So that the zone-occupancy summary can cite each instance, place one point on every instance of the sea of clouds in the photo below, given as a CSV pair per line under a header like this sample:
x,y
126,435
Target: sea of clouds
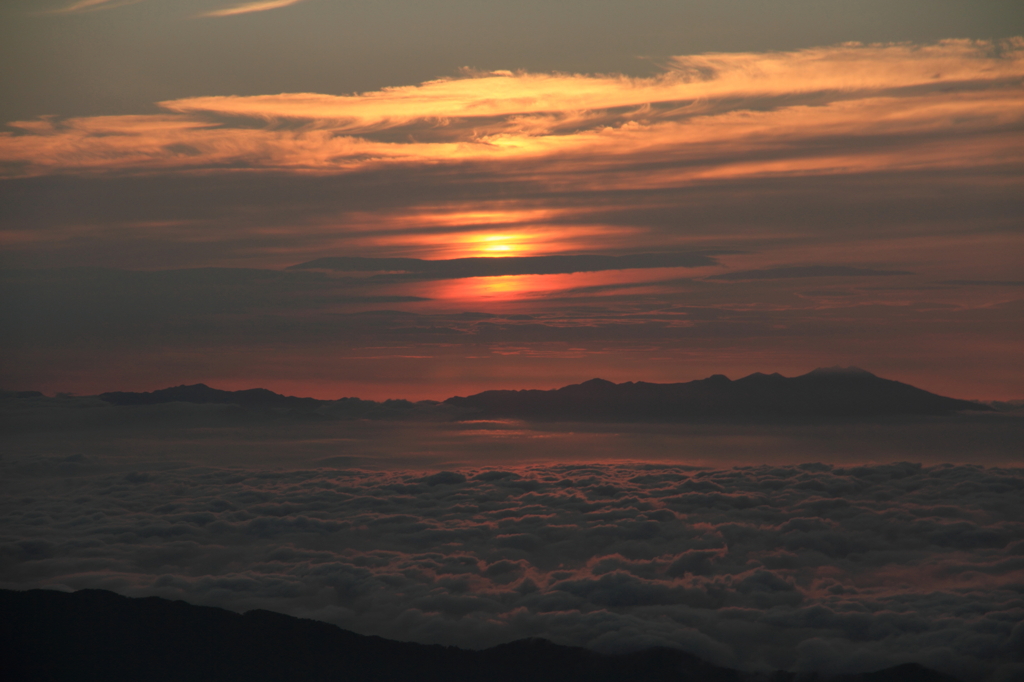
x,y
833,568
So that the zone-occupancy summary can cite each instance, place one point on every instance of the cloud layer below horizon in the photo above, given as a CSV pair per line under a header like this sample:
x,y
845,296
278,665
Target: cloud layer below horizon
x,y
814,567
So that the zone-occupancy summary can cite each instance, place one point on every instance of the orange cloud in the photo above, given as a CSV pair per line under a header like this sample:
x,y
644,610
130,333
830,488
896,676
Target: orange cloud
x,y
571,99
92,5
436,232
248,7
534,288
844,109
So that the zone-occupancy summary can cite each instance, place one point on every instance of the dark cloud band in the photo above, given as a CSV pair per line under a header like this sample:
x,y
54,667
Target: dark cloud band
x,y
496,267
798,271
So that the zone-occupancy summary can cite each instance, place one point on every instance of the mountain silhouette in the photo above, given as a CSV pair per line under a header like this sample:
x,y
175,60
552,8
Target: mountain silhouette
x,y
201,393
99,635
833,392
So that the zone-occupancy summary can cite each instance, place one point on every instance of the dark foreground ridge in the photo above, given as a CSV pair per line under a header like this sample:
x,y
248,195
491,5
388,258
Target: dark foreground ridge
x,y
824,393
99,635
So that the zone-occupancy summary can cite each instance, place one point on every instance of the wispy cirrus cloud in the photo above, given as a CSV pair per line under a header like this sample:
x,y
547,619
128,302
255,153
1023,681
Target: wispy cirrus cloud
x,y
244,8
249,7
92,5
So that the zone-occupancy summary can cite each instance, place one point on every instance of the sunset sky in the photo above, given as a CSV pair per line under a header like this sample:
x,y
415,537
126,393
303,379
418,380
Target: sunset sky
x,y
738,185
423,199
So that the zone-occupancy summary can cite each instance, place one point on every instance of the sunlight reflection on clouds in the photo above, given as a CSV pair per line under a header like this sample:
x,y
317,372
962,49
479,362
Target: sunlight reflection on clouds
x,y
589,129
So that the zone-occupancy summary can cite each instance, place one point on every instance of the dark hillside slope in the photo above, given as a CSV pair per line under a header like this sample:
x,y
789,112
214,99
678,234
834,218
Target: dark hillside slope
x,y
98,635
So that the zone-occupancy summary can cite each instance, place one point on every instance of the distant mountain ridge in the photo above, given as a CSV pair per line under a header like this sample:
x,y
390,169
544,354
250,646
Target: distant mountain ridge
x,y
265,403
203,394
823,393
99,635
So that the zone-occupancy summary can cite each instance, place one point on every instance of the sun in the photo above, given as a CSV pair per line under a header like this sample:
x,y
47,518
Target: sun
x,y
498,244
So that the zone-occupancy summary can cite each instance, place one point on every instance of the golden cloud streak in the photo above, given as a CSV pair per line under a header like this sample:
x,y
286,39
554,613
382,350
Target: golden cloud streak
x,y
249,7
846,68
956,104
92,6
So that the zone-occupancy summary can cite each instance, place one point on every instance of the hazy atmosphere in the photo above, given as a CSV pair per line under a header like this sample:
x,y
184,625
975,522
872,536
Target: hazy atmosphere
x,y
406,202
841,183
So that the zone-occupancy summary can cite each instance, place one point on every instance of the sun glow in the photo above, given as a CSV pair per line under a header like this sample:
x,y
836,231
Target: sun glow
x,y
466,234
499,244
507,243
510,288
